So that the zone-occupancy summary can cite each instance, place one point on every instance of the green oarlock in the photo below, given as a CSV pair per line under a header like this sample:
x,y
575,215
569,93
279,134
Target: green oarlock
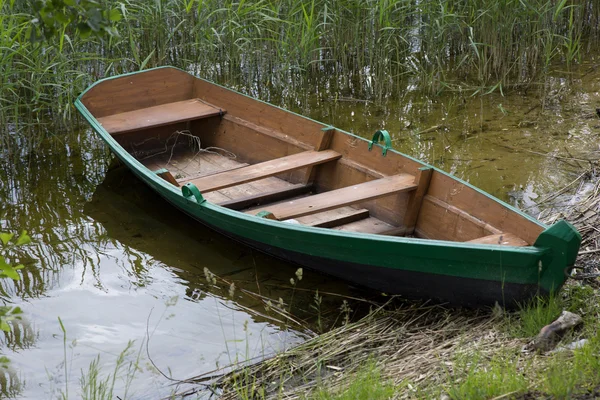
x,y
266,214
381,134
190,190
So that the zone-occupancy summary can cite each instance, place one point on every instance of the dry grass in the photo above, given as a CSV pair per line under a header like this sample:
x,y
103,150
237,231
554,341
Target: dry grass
x,y
413,346
584,214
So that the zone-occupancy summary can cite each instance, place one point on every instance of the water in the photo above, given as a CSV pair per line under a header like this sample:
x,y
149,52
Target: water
x,y
117,264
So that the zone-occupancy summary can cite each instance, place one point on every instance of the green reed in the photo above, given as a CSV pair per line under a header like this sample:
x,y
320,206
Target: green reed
x,y
370,49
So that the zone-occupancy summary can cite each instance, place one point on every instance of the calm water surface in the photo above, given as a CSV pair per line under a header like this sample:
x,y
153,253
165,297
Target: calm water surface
x,y
117,264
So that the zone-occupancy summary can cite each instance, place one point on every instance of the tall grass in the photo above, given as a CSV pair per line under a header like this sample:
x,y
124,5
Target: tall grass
x,y
534,315
367,384
497,378
361,48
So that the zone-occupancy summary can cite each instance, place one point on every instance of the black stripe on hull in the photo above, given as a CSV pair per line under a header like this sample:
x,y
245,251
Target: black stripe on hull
x,y
414,285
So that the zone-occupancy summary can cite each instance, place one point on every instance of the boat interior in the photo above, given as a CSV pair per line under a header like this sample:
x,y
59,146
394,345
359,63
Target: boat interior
x,y
254,158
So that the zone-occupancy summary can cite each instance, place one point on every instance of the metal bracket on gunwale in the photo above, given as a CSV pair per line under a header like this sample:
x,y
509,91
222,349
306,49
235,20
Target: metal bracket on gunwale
x,y
265,214
189,189
381,134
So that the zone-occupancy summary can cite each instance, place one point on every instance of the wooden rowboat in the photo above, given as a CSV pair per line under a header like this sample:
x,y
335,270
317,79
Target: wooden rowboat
x,y
323,198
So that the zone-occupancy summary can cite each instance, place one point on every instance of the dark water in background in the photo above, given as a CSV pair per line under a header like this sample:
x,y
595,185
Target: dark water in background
x,y
118,264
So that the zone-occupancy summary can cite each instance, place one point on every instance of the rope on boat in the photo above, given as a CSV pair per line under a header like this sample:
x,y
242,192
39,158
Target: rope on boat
x,y
194,142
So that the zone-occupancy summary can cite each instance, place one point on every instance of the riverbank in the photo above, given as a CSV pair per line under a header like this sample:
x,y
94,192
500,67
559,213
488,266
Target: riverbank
x,y
418,351
425,352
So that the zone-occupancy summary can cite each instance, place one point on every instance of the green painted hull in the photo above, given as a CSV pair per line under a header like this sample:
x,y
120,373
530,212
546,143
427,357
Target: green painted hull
x,y
464,273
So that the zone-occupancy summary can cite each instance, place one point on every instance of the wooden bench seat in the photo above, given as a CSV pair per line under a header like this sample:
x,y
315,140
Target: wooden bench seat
x,y
503,239
264,170
164,114
374,226
342,197
333,218
266,197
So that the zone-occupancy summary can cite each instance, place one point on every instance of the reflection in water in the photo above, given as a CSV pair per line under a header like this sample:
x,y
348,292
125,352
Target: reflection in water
x,y
22,335
141,220
114,261
10,384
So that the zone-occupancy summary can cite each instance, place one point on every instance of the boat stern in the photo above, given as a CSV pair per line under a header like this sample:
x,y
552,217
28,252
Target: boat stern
x,y
563,241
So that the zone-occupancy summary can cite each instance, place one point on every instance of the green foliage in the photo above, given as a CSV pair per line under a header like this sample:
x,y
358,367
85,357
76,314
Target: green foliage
x,y
486,380
8,314
367,385
534,315
7,270
582,299
369,48
8,242
570,373
94,386
53,17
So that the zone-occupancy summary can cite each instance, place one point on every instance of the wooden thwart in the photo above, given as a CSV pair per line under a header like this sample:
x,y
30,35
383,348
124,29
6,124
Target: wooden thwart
x,y
161,115
264,170
504,239
268,197
211,173
343,197
374,226
335,217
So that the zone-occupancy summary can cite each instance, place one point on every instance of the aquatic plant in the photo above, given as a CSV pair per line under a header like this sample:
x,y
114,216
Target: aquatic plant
x,y
367,49
9,270
52,18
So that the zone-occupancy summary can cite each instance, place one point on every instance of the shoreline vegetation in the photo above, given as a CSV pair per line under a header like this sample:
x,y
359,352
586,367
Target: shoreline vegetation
x,y
361,49
424,352
407,350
